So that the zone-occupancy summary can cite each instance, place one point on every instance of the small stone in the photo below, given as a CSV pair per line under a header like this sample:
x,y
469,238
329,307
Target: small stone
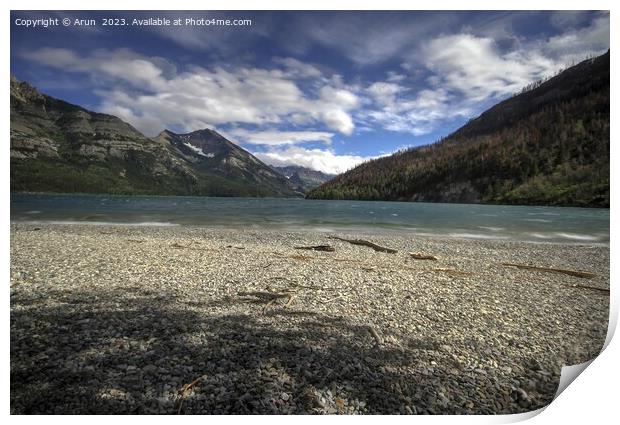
x,y
519,394
321,402
534,365
285,396
150,369
115,393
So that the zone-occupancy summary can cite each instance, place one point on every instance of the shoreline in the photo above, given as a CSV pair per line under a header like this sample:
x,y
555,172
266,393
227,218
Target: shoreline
x,y
596,207
377,230
117,319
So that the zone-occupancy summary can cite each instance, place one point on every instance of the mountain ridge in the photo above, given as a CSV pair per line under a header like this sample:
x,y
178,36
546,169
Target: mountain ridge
x,y
60,147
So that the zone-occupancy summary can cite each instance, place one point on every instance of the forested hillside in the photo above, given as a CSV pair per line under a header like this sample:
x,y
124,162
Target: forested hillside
x,y
546,146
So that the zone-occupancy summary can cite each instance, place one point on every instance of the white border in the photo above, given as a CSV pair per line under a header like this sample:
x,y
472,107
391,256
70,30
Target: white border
x,y
591,398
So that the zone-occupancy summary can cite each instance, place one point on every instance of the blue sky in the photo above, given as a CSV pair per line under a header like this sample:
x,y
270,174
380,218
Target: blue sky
x,y
326,90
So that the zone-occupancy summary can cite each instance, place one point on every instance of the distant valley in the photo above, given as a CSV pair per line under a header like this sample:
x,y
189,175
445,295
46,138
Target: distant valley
x,y
303,179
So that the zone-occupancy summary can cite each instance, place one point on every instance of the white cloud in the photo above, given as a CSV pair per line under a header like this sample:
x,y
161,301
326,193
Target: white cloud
x,y
395,77
475,67
279,138
298,68
468,70
462,71
573,45
385,93
118,64
396,109
316,159
150,91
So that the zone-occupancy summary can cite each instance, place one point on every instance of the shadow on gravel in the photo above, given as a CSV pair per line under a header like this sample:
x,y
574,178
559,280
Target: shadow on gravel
x,y
132,351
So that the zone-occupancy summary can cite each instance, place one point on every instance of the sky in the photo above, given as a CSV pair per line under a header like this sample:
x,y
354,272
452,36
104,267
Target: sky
x,y
325,90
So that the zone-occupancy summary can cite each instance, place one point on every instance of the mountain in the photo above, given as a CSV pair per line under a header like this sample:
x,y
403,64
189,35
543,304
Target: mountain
x,y
60,147
212,154
303,179
548,145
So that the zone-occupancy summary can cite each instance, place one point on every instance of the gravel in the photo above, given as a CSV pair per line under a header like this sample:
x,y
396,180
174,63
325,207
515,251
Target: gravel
x,y
163,320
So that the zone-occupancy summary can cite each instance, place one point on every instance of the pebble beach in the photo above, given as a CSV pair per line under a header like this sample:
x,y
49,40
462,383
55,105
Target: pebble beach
x,y
195,320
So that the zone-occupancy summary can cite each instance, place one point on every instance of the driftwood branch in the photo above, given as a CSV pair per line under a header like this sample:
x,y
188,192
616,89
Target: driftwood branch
x,y
594,288
375,334
419,256
576,273
363,242
326,248
185,391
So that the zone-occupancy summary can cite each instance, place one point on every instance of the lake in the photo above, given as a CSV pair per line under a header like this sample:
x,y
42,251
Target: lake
x,y
523,223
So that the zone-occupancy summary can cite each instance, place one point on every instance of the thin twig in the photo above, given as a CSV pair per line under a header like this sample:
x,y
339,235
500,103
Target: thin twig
x,y
595,288
269,304
290,301
301,257
576,273
333,299
453,272
261,294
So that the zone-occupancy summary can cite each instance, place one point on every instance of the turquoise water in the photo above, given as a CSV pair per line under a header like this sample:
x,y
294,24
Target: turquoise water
x,y
542,224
